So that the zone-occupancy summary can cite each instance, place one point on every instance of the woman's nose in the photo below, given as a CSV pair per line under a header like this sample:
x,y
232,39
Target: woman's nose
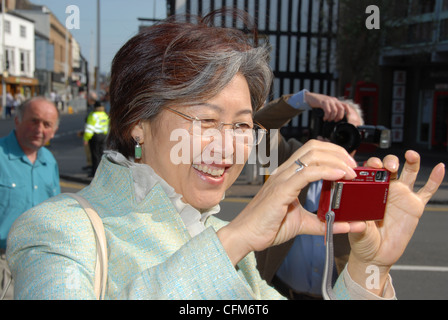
x,y
221,148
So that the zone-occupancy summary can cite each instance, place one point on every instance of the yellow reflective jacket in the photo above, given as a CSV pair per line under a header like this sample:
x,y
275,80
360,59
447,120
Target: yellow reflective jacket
x,y
97,123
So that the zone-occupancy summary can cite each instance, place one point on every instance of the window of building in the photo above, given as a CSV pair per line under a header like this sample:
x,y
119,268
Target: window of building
x,y
24,61
10,60
23,31
7,26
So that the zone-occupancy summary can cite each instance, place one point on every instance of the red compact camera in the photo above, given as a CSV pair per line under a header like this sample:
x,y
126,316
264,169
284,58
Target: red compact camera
x,y
363,198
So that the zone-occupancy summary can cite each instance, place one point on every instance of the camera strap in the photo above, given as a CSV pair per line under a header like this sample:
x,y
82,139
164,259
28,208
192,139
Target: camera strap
x,y
327,290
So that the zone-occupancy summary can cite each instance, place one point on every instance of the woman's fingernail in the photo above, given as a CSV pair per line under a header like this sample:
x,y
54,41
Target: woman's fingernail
x,y
352,172
353,163
340,172
391,165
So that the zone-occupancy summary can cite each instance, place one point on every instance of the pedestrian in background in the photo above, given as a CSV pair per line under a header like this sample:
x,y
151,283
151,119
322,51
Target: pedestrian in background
x,y
9,105
91,101
29,173
95,133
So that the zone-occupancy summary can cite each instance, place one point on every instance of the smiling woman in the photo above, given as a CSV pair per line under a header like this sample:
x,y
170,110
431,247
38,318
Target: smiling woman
x,y
198,180
163,240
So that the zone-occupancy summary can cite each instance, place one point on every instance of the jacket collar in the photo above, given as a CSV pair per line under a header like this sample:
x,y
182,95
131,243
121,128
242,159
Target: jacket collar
x,y
118,178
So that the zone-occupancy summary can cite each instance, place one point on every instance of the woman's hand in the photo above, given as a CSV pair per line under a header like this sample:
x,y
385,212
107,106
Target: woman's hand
x,y
383,242
275,215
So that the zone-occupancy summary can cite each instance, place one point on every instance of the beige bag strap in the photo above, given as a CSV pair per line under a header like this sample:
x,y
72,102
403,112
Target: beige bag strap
x,y
101,246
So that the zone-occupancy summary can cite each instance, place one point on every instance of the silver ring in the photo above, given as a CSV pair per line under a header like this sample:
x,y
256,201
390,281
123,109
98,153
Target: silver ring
x,y
301,165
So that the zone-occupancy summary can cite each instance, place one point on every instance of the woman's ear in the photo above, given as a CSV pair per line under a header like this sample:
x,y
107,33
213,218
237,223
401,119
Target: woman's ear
x,y
137,133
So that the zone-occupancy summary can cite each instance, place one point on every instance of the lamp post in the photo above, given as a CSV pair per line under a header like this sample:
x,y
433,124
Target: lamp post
x,y
98,37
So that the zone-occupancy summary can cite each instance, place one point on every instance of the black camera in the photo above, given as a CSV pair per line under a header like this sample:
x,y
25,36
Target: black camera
x,y
347,135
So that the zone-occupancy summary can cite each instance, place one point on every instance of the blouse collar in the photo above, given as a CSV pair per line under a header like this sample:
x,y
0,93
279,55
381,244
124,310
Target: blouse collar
x,y
145,179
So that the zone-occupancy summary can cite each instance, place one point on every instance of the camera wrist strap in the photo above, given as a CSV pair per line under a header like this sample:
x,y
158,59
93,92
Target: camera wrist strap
x,y
327,290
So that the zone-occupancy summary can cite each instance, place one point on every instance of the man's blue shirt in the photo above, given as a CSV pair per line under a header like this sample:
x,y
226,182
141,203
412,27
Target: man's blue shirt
x,y
23,184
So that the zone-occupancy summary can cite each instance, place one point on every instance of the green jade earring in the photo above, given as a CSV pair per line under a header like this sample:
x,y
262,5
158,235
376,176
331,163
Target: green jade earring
x,y
138,149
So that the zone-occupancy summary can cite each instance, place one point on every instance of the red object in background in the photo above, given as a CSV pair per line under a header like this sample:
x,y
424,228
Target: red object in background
x,y
366,95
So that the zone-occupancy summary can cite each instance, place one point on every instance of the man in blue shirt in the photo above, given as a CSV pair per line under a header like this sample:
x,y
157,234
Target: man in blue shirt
x,y
29,173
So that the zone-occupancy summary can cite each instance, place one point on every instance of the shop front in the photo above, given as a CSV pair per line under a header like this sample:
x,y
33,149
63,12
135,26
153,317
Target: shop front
x,y
26,87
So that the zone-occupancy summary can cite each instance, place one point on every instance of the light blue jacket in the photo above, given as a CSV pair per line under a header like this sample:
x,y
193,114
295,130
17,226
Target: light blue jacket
x,y
51,249
151,251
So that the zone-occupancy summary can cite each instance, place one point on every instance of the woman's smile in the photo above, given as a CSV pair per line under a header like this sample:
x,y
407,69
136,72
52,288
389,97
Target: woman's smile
x,y
209,170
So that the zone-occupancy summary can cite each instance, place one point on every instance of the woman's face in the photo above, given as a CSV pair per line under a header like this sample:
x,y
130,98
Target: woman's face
x,y
200,168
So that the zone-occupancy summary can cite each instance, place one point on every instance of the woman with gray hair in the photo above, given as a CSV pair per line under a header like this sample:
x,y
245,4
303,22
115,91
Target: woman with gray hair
x,y
183,96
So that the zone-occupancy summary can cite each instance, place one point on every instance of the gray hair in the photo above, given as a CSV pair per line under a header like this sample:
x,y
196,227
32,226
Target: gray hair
x,y
355,107
21,109
220,69
180,63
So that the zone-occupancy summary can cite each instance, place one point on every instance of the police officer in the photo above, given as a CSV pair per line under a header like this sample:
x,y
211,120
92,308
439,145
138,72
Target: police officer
x,y
96,129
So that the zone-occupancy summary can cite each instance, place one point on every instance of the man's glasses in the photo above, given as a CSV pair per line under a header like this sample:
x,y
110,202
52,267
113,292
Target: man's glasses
x,y
243,132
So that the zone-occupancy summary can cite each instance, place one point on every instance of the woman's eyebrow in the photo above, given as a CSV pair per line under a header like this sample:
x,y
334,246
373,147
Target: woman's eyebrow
x,y
219,109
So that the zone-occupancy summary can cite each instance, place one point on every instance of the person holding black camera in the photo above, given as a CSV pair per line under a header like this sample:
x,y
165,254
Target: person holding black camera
x,y
279,112
295,268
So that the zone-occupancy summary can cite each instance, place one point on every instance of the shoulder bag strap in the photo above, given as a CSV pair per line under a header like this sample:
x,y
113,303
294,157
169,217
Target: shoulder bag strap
x,y
101,246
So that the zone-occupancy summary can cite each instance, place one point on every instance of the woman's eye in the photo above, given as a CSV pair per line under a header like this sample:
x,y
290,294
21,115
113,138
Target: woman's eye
x,y
210,123
243,126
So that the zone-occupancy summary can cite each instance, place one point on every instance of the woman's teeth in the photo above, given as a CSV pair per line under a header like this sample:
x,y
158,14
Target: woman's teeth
x,y
213,172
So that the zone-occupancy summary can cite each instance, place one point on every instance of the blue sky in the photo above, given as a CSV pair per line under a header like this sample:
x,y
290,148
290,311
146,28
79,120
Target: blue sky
x,y
118,23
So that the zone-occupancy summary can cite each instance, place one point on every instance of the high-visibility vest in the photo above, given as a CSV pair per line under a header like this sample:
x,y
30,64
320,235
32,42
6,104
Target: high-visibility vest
x,y
97,123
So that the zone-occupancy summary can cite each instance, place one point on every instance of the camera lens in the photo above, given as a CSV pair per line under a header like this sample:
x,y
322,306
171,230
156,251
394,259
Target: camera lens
x,y
380,176
347,136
